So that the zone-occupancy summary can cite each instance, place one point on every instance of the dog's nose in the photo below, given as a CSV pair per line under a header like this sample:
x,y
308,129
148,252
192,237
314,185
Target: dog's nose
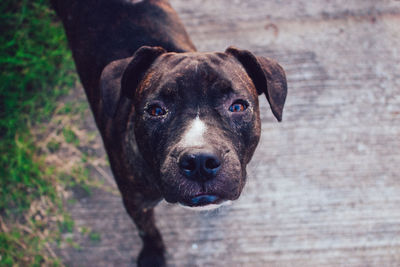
x,y
200,165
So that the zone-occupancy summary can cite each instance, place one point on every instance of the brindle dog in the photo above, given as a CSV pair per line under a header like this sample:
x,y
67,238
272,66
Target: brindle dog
x,y
176,123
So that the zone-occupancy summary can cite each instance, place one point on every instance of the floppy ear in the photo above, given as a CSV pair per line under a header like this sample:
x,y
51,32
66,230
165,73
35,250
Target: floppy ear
x,y
268,78
120,78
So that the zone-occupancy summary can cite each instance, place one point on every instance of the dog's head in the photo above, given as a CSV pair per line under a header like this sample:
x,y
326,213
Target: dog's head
x,y
196,116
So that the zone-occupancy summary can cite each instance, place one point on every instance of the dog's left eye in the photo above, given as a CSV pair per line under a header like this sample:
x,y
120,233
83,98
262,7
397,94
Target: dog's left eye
x,y
156,111
238,106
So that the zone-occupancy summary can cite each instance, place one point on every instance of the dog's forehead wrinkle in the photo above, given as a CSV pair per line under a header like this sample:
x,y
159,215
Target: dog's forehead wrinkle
x,y
169,90
198,61
173,59
183,70
222,86
193,65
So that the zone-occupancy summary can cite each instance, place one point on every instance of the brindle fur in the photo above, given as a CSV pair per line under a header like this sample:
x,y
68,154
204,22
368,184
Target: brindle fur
x,y
103,36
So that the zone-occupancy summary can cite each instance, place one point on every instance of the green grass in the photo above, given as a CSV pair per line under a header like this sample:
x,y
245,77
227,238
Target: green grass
x,y
70,136
35,69
53,146
67,225
19,248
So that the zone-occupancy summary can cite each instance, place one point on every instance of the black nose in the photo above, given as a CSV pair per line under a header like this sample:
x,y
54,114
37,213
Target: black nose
x,y
200,165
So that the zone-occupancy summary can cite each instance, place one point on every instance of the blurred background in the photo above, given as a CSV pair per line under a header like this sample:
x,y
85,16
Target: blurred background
x,y
323,187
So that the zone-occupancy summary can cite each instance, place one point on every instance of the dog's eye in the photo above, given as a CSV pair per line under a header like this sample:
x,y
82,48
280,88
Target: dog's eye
x,y
238,106
156,111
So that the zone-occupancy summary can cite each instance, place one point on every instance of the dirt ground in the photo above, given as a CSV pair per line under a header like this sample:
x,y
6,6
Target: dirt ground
x,y
324,185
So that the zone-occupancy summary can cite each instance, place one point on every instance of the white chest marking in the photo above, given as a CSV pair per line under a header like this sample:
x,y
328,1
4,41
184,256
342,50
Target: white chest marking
x,y
194,135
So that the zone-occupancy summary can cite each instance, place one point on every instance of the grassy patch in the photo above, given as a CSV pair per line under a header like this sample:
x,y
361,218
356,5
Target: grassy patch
x,y
70,136
35,69
36,66
26,241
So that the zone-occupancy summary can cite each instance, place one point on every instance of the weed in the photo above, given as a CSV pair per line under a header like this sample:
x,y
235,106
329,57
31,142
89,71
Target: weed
x,y
53,146
84,230
70,136
67,224
35,69
66,109
95,237
72,243
84,157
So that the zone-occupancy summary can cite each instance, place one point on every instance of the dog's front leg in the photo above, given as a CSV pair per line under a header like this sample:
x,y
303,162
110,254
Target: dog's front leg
x,y
142,213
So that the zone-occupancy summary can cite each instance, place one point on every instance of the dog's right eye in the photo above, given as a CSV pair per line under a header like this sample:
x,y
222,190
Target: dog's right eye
x,y
156,111
238,106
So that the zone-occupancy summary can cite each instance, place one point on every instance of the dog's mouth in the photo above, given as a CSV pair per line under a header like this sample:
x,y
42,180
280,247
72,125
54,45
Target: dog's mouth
x,y
202,190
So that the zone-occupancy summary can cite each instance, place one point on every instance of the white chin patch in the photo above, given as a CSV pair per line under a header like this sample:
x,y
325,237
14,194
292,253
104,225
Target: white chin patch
x,y
194,135
207,207
134,1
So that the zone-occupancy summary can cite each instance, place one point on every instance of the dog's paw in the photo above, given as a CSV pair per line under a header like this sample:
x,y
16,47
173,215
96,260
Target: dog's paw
x,y
150,257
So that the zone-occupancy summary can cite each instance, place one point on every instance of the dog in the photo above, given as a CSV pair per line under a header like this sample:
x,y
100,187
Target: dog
x,y
177,124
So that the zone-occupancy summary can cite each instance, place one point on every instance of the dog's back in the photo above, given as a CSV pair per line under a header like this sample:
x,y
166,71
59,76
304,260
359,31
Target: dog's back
x,y
101,31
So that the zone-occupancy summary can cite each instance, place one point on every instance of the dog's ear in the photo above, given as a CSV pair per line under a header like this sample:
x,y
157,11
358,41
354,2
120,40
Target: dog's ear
x,y
140,63
268,78
110,84
120,78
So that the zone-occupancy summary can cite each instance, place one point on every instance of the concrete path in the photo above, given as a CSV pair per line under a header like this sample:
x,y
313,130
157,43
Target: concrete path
x,y
324,185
